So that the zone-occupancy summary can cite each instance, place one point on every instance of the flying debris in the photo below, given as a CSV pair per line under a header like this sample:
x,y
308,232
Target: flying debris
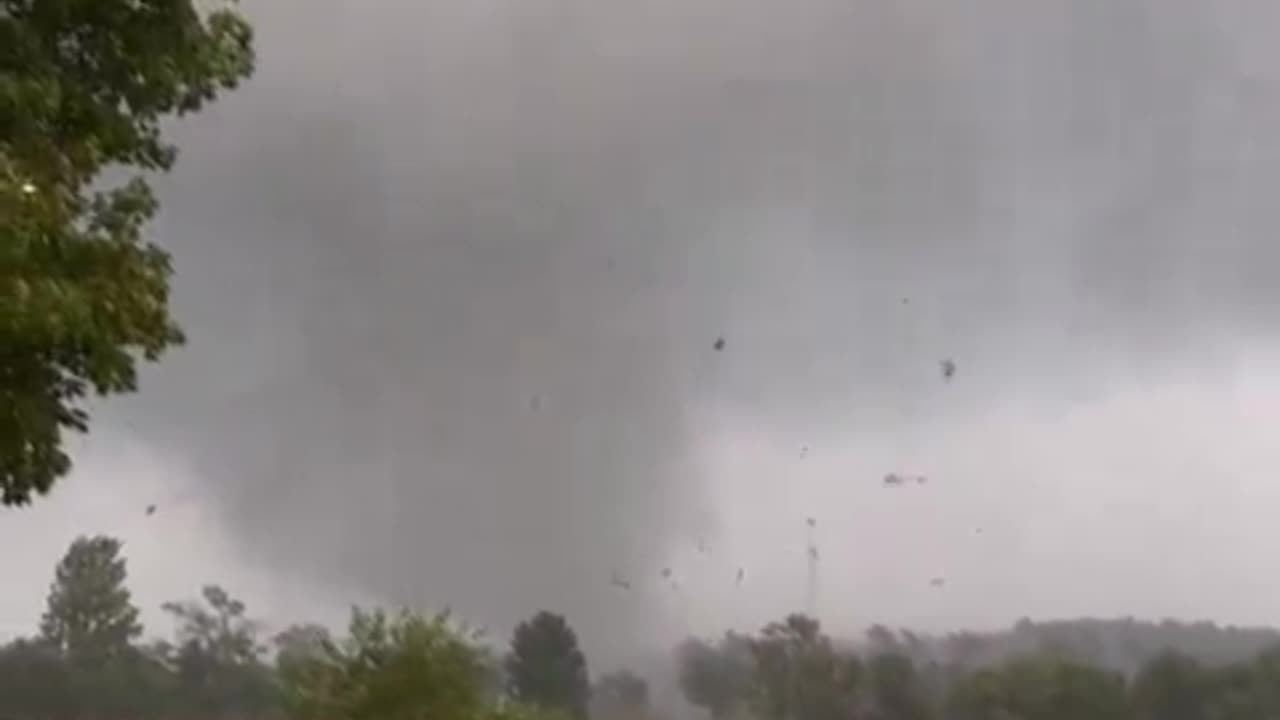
x,y
812,522
741,574
666,573
151,510
804,451
719,344
948,368
906,300
702,545
619,582
977,531
535,403
937,582
813,552
898,479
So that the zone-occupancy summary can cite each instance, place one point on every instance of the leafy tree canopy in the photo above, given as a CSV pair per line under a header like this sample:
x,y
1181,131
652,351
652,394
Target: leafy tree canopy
x,y
393,667
84,88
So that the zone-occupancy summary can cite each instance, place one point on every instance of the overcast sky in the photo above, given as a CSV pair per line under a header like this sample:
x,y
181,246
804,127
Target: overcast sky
x,y
453,272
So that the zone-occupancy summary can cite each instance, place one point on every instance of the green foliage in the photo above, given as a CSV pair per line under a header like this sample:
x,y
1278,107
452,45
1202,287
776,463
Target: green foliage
x,y
87,663
392,667
84,87
89,615
546,668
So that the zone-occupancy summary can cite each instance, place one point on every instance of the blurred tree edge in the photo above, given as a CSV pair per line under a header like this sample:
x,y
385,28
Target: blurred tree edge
x,y
84,88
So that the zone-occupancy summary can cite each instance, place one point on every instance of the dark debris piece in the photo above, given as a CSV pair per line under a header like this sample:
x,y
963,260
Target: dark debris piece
x,y
898,480
948,367
719,344
151,510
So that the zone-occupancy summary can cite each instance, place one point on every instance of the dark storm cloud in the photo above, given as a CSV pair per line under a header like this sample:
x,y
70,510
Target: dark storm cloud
x,y
453,271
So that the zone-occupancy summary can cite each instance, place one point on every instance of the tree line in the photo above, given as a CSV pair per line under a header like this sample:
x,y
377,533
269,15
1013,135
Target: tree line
x,y
88,660
791,670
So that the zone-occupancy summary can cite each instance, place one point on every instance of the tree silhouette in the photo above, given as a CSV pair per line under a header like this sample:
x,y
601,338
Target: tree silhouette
x,y
89,614
217,656
800,675
546,668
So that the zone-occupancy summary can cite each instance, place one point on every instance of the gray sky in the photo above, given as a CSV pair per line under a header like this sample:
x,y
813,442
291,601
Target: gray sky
x,y
453,272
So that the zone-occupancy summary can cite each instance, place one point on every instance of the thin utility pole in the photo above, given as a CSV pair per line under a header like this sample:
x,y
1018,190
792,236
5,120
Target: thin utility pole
x,y
813,569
